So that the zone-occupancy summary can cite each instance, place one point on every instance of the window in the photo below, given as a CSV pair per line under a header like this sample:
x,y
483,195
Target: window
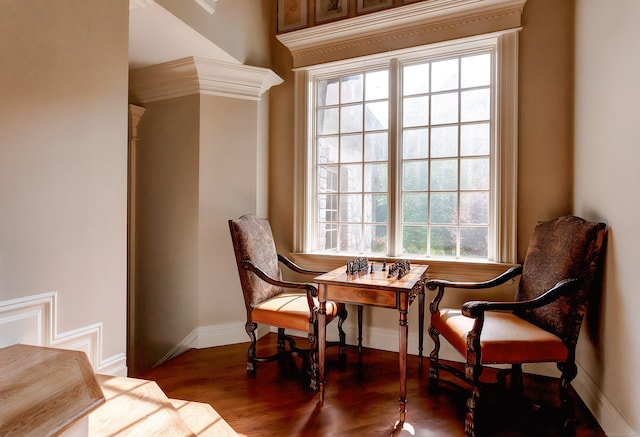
x,y
409,153
403,154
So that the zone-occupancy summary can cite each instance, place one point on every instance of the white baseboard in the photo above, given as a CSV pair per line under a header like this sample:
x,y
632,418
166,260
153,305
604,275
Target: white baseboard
x,y
34,320
607,415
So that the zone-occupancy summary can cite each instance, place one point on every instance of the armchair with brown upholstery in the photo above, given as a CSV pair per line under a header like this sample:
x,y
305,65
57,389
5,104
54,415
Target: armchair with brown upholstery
x,y
559,274
271,301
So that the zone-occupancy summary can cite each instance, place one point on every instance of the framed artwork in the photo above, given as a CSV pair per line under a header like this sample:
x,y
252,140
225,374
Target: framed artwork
x,y
292,14
327,10
363,6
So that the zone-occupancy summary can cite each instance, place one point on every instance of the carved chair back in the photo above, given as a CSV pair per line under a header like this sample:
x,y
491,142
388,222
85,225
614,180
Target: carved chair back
x,y
253,241
566,247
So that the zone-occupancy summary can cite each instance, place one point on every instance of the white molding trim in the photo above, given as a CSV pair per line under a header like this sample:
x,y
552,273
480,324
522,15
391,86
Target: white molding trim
x,y
193,75
34,320
607,415
189,342
207,5
410,25
135,4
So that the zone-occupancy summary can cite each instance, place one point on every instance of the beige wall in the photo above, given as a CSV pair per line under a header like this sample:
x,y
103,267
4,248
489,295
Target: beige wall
x,y
545,115
231,183
63,159
606,188
166,298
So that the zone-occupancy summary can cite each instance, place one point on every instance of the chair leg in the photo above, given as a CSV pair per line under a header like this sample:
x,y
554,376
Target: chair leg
x,y
433,357
470,422
342,351
569,371
516,378
281,339
359,333
251,352
313,367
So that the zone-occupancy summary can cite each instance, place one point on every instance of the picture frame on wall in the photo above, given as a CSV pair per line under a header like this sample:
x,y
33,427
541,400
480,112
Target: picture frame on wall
x,y
292,14
327,10
364,6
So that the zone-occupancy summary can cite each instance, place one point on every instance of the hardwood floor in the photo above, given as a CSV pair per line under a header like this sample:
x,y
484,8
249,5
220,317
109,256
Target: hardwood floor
x,y
360,400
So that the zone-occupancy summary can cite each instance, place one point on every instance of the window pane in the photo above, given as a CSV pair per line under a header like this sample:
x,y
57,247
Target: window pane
x,y
474,208
327,179
327,150
377,85
375,239
351,178
474,139
376,147
444,108
414,240
476,71
350,238
350,208
376,208
415,143
351,89
376,116
328,92
474,242
443,241
415,111
415,79
474,174
327,237
351,118
351,148
376,177
475,105
444,142
415,175
328,208
444,174
444,75
444,208
327,121
414,207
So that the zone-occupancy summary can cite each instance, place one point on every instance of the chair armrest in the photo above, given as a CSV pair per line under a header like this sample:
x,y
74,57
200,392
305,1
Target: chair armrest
x,y
440,285
296,268
311,289
501,279
475,308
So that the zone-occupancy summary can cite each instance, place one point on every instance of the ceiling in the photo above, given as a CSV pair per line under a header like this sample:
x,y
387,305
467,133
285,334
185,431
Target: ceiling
x,y
157,36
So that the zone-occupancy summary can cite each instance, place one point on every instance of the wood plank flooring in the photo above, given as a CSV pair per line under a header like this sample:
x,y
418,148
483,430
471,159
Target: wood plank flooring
x,y
360,400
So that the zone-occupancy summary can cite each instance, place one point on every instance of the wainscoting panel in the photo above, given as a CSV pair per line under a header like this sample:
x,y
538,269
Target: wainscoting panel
x,y
33,320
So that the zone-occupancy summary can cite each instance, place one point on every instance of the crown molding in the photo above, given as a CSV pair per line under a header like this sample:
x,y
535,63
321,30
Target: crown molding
x,y
193,75
207,5
402,27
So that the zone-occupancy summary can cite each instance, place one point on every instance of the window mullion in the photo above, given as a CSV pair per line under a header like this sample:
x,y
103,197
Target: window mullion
x,y
395,159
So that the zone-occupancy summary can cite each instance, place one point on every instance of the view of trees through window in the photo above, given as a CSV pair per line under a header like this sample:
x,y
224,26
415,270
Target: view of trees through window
x,y
425,167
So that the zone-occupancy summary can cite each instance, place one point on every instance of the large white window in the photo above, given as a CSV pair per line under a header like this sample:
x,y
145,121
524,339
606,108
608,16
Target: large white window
x,y
402,153
409,153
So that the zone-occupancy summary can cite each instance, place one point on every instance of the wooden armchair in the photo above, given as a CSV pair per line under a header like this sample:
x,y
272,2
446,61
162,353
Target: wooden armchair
x,y
272,301
560,272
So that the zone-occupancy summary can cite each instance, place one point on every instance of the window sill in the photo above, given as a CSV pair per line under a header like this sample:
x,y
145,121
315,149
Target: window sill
x,y
438,268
